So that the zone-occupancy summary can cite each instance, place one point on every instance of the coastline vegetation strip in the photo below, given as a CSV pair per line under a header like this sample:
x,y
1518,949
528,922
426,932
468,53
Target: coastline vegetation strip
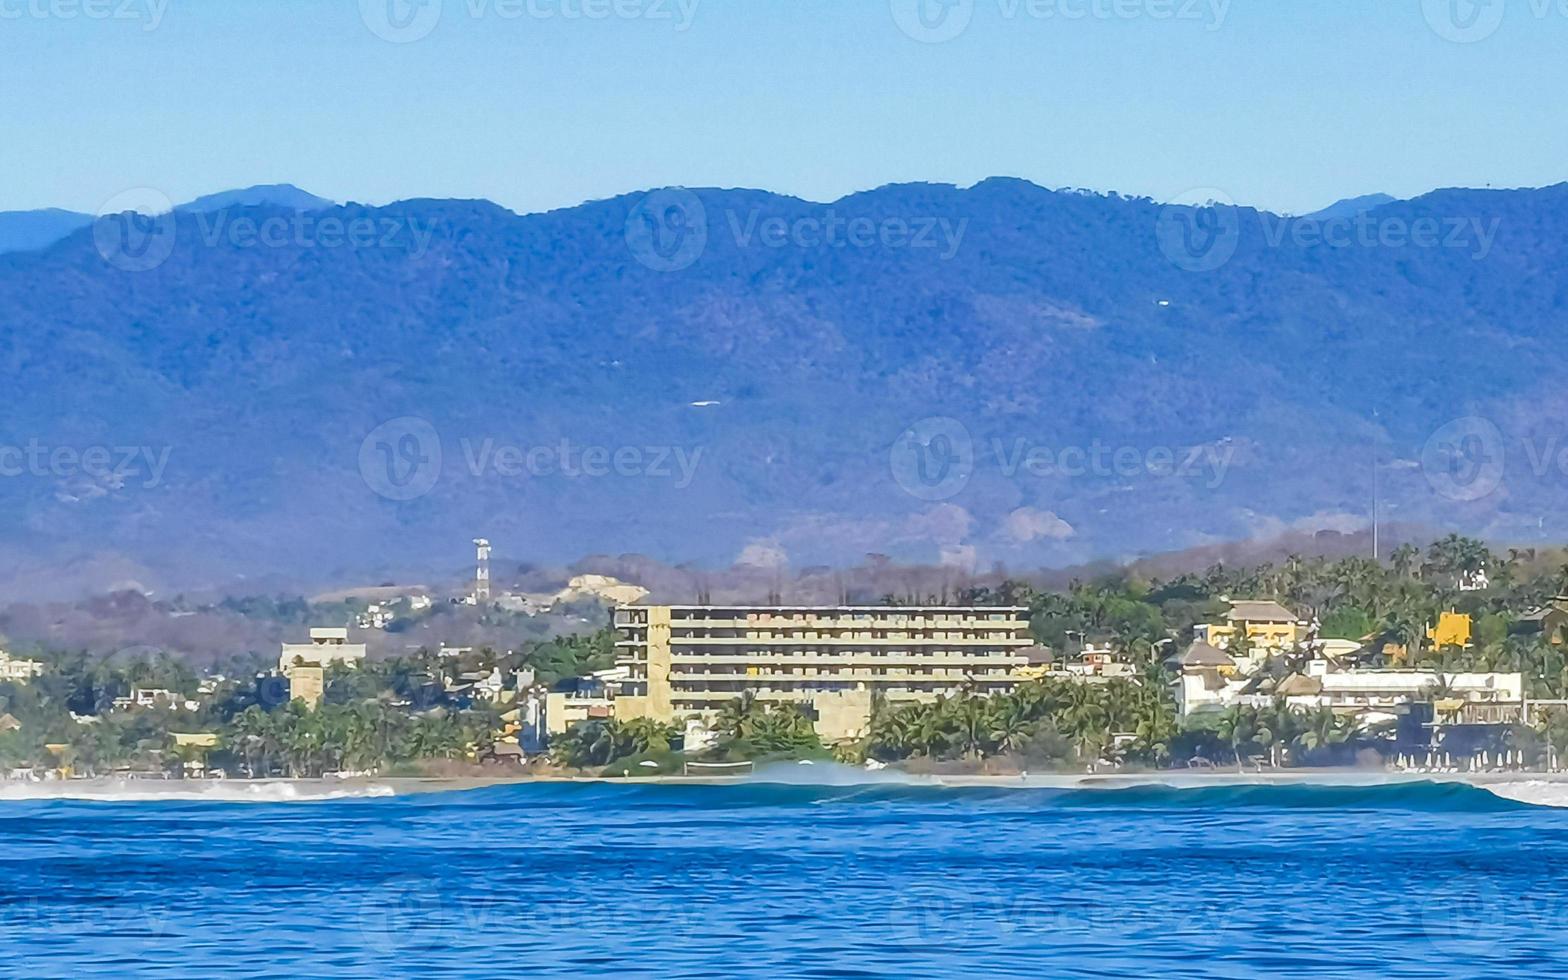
x,y
400,716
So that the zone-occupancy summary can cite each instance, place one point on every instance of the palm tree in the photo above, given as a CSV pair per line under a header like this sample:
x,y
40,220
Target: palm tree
x,y
1086,719
735,717
1010,725
971,724
1321,729
929,728
1238,726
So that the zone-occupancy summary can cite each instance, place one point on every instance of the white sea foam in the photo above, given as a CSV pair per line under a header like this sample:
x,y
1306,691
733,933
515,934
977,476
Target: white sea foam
x,y
1536,792
212,791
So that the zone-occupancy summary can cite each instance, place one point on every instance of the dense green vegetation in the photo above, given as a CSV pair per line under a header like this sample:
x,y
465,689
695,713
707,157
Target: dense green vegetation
x,y
388,714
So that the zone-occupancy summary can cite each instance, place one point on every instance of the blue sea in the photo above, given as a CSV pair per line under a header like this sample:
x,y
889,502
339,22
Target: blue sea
x,y
791,880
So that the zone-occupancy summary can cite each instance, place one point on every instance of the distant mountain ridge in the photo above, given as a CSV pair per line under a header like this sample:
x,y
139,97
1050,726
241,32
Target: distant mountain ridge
x,y
25,231
285,196
1001,373
1352,206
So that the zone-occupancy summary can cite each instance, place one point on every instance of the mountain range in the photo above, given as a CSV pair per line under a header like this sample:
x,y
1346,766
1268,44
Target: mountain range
x,y
25,231
266,386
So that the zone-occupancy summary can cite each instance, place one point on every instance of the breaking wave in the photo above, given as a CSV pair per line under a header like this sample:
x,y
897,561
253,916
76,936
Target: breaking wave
x,y
180,791
772,788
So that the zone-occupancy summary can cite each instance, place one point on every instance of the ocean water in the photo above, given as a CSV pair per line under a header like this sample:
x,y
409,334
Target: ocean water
x,y
775,880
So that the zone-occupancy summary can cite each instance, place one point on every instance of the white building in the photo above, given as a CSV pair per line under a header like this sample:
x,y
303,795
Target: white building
x,y
14,669
152,697
1208,679
1386,689
377,616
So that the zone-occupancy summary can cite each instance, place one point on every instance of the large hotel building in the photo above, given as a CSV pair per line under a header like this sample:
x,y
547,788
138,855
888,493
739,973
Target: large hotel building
x,y
688,661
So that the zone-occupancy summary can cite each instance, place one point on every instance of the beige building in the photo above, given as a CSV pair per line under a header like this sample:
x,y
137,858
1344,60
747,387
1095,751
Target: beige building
x,y
689,661
304,664
590,698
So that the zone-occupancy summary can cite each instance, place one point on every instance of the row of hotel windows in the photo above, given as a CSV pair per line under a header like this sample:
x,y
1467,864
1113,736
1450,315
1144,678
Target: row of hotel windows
x,y
902,687
732,612
813,671
840,635
740,615
846,653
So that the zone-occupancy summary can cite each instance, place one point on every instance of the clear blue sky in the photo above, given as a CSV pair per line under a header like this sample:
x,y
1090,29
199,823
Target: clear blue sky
x,y
1285,104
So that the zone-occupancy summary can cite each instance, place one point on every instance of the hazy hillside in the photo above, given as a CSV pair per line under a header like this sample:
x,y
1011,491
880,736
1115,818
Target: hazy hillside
x,y
744,391
23,231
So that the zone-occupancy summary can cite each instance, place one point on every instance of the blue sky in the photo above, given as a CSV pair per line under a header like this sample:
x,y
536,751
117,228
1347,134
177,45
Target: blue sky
x,y
1284,104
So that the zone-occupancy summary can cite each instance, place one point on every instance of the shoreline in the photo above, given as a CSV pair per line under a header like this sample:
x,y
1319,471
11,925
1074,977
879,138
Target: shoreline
x,y
369,787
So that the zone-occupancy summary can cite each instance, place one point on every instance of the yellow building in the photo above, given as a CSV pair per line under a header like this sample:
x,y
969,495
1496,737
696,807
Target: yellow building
x,y
689,661
1268,625
1452,630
